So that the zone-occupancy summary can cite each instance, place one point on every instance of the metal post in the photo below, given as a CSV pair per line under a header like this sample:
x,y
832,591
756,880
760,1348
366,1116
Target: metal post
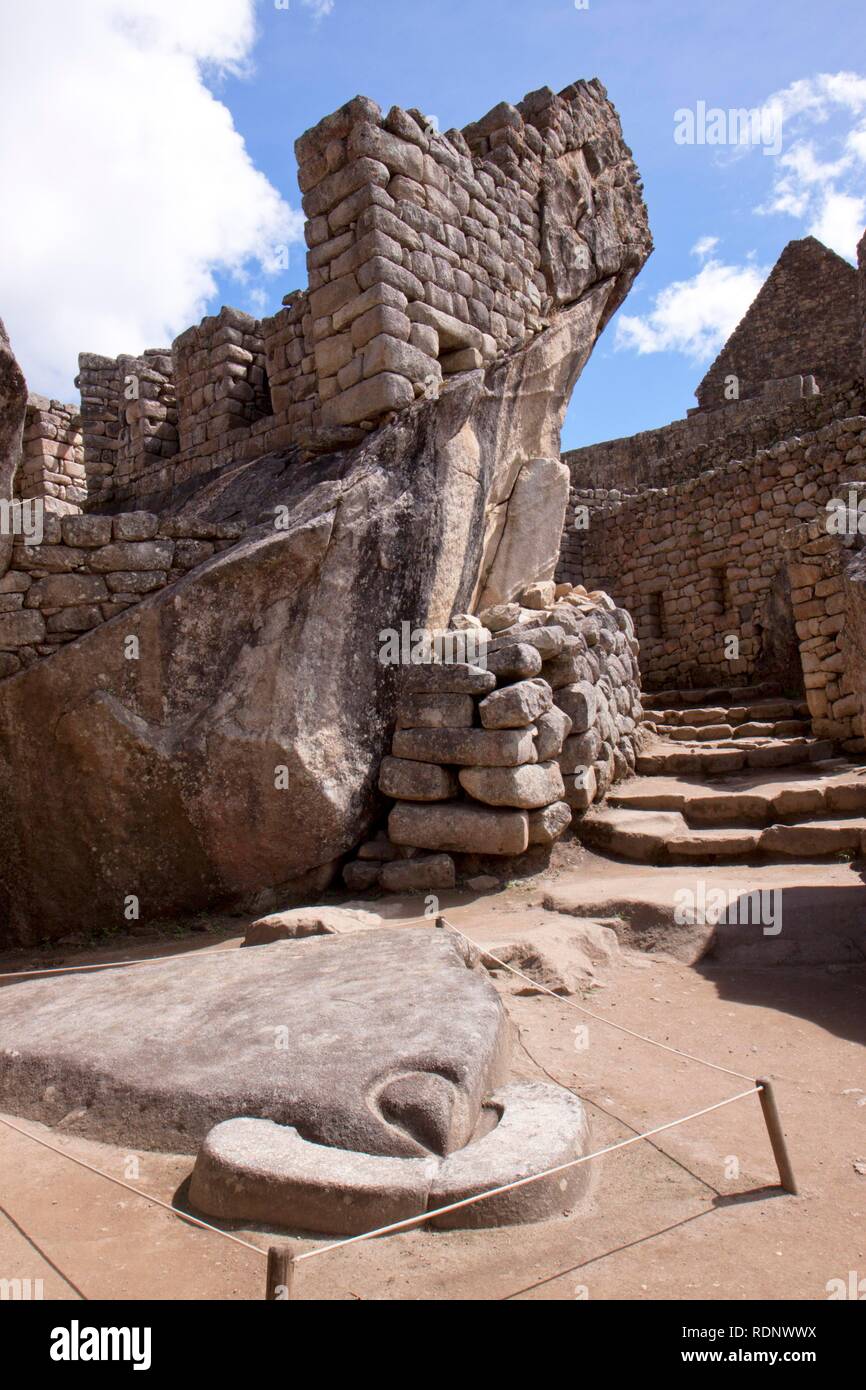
x,y
777,1136
281,1273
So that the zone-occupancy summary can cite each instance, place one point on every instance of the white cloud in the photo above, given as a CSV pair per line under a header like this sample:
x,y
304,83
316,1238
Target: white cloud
x,y
839,221
703,246
819,176
320,8
132,188
696,316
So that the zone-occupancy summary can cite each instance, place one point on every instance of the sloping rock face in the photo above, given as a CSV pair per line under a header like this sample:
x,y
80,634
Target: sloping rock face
x,y
230,753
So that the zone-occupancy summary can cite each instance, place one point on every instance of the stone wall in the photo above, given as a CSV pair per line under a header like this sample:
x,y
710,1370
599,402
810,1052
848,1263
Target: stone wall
x,y
220,379
803,321
821,602
87,570
52,466
701,561
129,421
429,255
707,439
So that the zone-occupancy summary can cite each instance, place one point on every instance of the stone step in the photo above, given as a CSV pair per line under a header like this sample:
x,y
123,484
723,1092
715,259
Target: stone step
x,y
659,837
707,733
716,695
712,760
759,711
750,798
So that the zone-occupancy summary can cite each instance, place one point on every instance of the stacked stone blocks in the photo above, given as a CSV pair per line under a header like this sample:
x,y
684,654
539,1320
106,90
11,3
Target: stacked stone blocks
x,y
89,569
496,759
52,467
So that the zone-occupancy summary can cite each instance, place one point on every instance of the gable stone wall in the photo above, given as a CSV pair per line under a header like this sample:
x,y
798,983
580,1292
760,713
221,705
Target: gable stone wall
x,y
803,321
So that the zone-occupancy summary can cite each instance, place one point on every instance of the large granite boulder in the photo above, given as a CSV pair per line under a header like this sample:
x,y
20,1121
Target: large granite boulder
x,y
384,1041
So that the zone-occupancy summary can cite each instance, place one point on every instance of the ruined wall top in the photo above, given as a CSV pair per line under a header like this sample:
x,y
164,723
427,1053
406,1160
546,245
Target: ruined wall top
x,y
803,321
428,255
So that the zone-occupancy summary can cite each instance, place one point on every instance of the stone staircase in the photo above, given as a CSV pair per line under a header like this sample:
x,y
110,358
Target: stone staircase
x,y
732,774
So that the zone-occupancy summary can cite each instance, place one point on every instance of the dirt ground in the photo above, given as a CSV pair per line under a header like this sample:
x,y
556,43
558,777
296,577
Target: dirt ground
x,y
695,1213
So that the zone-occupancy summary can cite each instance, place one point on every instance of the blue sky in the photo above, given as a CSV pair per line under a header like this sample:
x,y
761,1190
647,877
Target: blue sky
x,y
454,60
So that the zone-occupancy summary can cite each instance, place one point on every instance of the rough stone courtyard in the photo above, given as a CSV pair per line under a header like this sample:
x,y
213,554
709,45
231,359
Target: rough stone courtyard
x,y
406,823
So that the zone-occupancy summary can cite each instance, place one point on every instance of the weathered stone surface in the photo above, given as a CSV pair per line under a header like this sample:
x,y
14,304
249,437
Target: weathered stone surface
x,y
540,1127
579,702
553,730
547,640
515,706
581,786
435,712
133,555
21,629
466,747
59,590
548,823
86,531
154,1057
515,662
409,780
459,828
530,786
540,492
539,595
135,526
255,1170
447,679
361,875
422,872
299,922
499,616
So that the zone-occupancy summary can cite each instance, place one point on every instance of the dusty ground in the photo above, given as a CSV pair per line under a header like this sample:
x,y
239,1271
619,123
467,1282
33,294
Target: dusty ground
x,y
695,1213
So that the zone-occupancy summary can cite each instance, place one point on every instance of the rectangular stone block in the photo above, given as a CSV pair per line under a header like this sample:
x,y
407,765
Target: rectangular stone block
x,y
25,628
86,531
407,780
379,294
365,401
382,318
459,827
447,678
435,712
133,555
467,747
64,590
385,354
